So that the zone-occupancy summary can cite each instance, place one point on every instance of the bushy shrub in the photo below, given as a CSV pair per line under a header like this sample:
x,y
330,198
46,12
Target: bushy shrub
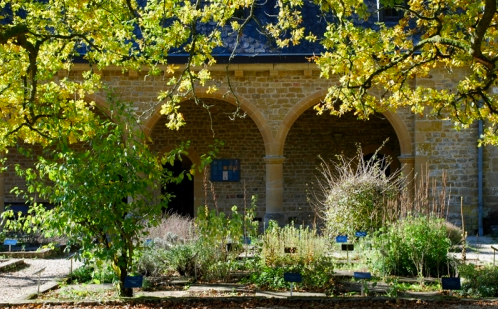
x,y
153,261
454,233
94,273
200,250
304,244
173,228
306,254
479,281
352,194
416,245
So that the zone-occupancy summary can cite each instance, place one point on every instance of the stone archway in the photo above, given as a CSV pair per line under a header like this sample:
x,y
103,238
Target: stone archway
x,y
291,202
397,123
243,142
251,111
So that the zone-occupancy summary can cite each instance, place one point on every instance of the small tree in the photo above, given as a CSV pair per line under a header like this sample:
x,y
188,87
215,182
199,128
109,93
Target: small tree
x,y
351,194
103,192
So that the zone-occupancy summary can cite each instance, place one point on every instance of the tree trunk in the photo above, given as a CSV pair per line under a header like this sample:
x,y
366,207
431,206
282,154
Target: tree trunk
x,y
124,292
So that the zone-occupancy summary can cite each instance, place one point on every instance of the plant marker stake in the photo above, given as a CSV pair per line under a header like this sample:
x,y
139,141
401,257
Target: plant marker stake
x,y
292,285
71,267
494,254
362,276
39,274
10,242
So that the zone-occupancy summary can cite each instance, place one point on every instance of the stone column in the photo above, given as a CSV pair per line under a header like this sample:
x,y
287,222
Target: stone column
x,y
275,190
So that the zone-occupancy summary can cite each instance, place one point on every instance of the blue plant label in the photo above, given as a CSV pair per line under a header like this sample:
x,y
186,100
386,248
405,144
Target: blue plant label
x,y
293,277
342,238
247,240
451,283
133,282
149,242
10,242
360,234
362,275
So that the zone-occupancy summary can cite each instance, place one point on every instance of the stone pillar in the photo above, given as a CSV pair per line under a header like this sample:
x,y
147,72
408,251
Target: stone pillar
x,y
275,190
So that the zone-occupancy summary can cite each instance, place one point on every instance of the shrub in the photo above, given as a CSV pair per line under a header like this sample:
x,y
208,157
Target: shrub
x,y
173,228
94,273
454,233
416,245
351,194
307,254
305,245
479,281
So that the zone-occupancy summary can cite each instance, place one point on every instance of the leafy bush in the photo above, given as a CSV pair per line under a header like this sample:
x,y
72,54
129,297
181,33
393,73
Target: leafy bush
x,y
416,245
455,234
479,281
305,245
307,254
153,261
94,274
201,250
351,194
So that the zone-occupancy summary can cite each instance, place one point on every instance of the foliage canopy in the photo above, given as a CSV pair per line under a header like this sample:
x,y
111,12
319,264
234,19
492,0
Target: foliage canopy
x,y
39,39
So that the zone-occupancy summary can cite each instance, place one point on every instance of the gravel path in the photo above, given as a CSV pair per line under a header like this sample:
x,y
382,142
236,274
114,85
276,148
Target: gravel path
x,y
20,283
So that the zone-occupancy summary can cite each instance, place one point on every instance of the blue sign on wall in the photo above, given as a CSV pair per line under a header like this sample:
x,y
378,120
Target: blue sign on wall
x,y
225,170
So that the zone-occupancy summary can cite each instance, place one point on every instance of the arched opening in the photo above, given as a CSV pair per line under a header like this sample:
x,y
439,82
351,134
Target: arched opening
x,y
313,135
243,142
182,200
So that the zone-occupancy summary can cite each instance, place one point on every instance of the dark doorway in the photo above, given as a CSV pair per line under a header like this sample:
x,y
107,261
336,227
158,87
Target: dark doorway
x,y
183,201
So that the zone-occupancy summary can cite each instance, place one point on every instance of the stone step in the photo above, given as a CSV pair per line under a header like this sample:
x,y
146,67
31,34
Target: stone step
x,y
9,264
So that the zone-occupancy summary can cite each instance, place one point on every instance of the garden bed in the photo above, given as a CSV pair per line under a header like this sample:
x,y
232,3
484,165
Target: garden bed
x,y
31,252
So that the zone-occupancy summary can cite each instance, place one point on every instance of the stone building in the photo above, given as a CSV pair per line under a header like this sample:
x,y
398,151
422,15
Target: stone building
x,y
275,148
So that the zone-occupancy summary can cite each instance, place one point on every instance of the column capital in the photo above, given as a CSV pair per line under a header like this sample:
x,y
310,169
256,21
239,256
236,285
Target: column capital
x,y
274,160
406,159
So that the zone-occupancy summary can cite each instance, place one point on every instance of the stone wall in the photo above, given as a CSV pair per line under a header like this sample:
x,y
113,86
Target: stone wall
x,y
277,98
242,141
326,136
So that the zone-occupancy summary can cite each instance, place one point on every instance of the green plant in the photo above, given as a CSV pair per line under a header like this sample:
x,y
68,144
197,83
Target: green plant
x,y
454,233
152,261
305,246
352,194
479,281
392,290
416,245
96,273
220,239
306,254
316,276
